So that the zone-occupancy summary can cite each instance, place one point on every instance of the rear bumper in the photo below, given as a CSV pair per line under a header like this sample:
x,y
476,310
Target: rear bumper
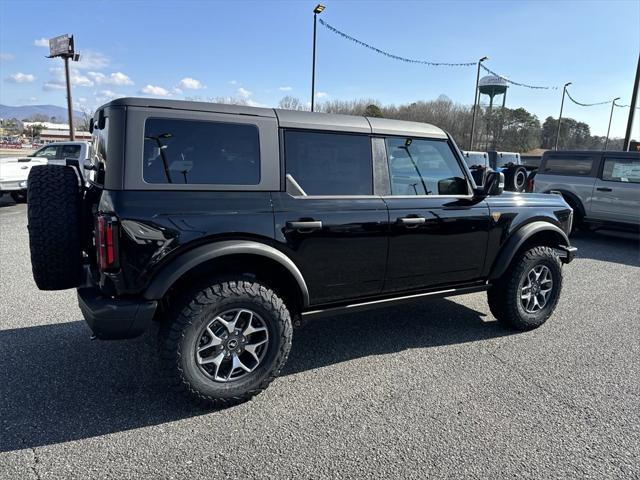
x,y
115,318
568,253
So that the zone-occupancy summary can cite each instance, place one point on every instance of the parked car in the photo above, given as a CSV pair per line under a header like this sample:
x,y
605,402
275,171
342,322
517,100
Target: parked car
x,y
515,172
478,163
229,225
603,188
15,170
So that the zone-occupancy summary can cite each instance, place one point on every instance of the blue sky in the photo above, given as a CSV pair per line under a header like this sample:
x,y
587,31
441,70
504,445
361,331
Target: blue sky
x,y
261,51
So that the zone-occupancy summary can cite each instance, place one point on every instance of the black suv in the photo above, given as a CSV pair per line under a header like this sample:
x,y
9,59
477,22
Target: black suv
x,y
229,225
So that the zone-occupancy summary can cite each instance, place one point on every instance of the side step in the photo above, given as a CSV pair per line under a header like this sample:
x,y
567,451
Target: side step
x,y
357,307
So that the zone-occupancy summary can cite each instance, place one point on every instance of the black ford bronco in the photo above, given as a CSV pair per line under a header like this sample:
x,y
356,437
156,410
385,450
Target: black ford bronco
x,y
230,225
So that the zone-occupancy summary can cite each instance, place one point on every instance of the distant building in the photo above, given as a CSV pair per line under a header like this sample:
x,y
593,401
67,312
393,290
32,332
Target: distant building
x,y
49,135
47,125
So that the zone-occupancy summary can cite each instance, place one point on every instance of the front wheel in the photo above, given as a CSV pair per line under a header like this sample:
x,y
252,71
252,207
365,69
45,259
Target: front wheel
x,y
527,294
227,343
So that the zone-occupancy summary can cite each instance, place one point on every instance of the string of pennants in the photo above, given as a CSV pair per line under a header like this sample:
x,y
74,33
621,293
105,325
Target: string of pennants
x,y
346,36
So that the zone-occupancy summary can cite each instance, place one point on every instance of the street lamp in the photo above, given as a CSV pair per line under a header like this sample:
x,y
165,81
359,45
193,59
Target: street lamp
x,y
564,90
613,104
475,101
319,9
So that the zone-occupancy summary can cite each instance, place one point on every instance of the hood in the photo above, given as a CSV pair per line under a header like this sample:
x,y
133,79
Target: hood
x,y
18,168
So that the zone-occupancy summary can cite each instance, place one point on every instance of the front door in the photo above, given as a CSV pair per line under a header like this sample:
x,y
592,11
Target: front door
x,y
438,231
332,226
616,192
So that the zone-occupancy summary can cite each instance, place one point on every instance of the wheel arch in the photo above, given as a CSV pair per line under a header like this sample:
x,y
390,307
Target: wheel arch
x,y
573,200
237,256
534,233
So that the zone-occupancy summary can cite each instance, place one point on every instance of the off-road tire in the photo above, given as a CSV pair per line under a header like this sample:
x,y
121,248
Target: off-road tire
x,y
516,179
54,223
180,331
504,295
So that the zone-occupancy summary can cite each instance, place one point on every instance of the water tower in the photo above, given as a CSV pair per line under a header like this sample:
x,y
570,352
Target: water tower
x,y
492,85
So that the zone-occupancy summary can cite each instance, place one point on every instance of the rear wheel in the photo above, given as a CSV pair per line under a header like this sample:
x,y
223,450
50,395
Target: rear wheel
x,y
54,224
227,343
527,294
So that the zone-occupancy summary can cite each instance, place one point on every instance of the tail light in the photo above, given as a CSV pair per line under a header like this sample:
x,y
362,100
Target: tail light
x,y
107,242
530,184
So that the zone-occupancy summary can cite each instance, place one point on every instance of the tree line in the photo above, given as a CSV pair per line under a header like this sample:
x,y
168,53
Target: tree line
x,y
515,130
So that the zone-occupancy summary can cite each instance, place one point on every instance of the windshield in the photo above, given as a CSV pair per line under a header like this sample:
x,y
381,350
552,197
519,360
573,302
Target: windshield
x,y
476,159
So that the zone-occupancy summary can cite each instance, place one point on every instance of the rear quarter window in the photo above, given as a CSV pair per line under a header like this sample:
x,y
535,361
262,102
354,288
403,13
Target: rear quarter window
x,y
200,152
569,165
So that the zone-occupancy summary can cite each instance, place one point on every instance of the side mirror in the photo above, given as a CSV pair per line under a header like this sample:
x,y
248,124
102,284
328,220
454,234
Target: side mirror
x,y
91,125
101,120
494,183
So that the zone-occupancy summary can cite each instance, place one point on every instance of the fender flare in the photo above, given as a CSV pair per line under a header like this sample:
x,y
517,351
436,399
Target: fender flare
x,y
516,241
572,199
171,272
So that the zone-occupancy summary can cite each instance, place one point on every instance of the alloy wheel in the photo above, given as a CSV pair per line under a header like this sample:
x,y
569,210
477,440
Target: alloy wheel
x,y
536,289
232,345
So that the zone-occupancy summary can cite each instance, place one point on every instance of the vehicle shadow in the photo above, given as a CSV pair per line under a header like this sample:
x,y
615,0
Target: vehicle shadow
x,y
59,386
608,246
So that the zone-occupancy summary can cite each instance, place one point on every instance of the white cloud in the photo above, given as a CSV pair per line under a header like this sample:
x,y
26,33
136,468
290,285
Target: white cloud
x,y
91,60
41,42
244,93
285,89
82,100
233,82
28,100
5,57
154,90
116,78
189,83
177,91
321,94
105,96
50,86
77,79
253,103
20,78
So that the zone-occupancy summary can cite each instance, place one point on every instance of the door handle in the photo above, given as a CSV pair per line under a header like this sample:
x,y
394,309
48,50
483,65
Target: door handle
x,y
305,225
412,221
604,189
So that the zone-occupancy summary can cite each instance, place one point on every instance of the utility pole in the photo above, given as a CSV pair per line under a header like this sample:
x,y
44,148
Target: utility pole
x,y
475,101
319,9
564,90
632,110
62,46
613,104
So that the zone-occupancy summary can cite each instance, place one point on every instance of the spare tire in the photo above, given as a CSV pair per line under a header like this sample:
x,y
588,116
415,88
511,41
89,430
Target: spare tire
x,y
54,222
516,179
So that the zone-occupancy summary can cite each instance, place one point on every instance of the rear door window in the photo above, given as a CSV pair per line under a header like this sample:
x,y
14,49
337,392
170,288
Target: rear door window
x,y
625,170
329,163
200,152
569,165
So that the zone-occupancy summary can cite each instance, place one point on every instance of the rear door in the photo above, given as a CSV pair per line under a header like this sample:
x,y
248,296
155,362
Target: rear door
x,y
335,229
438,231
616,193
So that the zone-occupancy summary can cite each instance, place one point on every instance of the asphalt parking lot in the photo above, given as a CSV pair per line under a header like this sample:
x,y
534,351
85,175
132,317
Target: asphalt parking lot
x,y
434,389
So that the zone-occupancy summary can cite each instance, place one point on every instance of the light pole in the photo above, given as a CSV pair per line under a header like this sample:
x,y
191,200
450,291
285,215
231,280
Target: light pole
x,y
475,101
564,90
63,46
632,111
613,104
319,8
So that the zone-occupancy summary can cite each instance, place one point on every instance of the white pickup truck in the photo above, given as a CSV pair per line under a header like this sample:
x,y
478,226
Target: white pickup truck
x,y
15,170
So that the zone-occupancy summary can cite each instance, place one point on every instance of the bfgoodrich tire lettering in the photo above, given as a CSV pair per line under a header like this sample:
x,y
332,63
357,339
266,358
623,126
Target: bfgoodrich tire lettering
x,y
508,298
182,338
54,224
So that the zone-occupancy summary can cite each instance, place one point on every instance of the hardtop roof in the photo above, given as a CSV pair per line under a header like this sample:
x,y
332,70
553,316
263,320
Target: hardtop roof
x,y
294,118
